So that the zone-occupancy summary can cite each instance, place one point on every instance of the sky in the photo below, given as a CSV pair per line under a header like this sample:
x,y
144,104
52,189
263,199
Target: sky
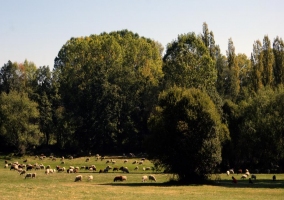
x,y
37,29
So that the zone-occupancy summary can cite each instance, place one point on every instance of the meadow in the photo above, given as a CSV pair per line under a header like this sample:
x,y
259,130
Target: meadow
x,y
61,185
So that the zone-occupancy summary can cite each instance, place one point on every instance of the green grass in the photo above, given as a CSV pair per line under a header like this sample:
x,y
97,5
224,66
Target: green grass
x,y
62,185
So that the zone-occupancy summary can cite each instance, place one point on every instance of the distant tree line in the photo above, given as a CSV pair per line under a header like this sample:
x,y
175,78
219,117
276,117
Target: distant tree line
x,y
119,92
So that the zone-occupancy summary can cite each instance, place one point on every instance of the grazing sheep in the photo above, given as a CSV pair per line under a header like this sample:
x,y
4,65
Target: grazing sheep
x,y
136,168
228,173
90,178
148,168
29,167
115,169
47,171
143,159
134,162
244,176
152,178
247,173
28,175
78,178
33,175
62,162
23,172
125,161
6,165
253,176
124,169
87,159
119,178
26,160
140,162
144,178
61,169
101,171
234,180
231,171
144,168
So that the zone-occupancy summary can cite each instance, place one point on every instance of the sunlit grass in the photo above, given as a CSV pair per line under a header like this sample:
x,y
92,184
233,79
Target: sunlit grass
x,y
62,185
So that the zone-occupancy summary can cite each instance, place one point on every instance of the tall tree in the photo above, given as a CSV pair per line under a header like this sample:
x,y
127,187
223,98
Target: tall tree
x,y
257,65
268,62
278,51
233,76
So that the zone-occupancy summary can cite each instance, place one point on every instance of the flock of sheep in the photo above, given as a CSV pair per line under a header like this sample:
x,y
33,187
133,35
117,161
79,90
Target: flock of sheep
x,y
26,169
246,175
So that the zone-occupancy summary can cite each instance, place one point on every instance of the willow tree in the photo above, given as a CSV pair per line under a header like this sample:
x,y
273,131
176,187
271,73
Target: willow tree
x,y
108,84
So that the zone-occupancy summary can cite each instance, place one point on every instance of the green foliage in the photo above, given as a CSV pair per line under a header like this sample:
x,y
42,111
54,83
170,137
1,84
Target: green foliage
x,y
187,63
187,133
19,117
108,84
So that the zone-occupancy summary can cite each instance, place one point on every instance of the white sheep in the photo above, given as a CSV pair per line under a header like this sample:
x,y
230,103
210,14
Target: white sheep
x,y
228,173
90,178
231,171
152,178
78,178
244,176
144,178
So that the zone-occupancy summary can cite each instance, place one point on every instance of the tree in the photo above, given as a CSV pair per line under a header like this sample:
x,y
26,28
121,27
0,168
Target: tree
x,y
108,85
19,117
233,81
268,62
187,63
278,50
257,66
186,134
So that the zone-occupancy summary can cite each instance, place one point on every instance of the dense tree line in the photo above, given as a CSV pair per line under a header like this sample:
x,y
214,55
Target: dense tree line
x,y
118,92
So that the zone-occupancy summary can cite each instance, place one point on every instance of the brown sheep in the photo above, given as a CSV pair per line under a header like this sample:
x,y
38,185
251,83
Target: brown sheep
x,y
119,178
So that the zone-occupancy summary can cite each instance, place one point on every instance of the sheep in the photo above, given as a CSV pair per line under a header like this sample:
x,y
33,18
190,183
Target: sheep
x,y
61,169
115,169
244,176
143,159
87,159
152,178
253,176
247,173
125,161
23,172
90,178
78,178
231,171
144,178
119,178
234,180
6,165
148,168
136,168
28,175
33,175
29,167
124,169
47,171
134,162
228,173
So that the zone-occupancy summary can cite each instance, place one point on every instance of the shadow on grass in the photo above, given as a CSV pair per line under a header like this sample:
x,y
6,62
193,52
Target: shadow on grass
x,y
261,183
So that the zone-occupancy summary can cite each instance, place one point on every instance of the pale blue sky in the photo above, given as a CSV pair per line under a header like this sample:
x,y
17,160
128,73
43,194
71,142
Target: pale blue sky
x,y
36,29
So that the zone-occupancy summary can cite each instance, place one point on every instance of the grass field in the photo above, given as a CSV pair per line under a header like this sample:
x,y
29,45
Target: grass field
x,y
62,186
